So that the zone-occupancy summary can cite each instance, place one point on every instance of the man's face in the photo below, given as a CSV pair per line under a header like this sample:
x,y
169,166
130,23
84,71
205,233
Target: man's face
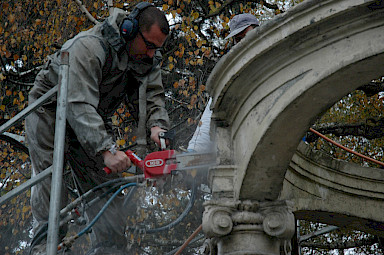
x,y
242,34
145,43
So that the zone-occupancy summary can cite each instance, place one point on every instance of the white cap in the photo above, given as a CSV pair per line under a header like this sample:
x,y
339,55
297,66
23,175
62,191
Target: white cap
x,y
241,22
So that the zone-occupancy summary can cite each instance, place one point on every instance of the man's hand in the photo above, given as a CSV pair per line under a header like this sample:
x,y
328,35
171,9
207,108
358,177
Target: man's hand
x,y
116,163
155,131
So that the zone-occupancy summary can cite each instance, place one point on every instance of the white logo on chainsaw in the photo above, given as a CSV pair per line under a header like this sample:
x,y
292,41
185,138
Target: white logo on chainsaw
x,y
154,163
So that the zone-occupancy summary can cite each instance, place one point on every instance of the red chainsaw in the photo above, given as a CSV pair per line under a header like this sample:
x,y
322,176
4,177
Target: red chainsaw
x,y
159,163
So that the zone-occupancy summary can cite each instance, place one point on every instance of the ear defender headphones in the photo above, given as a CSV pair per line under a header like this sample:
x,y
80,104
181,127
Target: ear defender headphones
x,y
130,26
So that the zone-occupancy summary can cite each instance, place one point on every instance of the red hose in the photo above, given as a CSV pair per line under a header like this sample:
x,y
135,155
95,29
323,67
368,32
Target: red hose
x,y
189,240
345,148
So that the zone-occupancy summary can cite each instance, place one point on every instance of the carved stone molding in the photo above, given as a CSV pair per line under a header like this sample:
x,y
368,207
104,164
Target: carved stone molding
x,y
248,227
279,220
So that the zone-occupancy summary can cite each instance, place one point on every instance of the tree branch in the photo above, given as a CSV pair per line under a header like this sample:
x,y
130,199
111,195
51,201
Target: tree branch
x,y
203,7
341,244
231,2
3,64
271,6
372,88
20,83
86,12
370,129
30,70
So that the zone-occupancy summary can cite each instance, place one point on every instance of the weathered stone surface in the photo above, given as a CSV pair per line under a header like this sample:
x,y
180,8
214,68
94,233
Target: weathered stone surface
x,y
248,227
267,91
335,192
272,85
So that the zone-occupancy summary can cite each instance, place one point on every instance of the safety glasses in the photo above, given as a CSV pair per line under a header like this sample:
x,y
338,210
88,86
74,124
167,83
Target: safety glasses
x,y
149,45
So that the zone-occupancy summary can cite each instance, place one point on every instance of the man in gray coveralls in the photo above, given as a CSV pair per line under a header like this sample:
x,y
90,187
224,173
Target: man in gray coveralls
x,y
107,64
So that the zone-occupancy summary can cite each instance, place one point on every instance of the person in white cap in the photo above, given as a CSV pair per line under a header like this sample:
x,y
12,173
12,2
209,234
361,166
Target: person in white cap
x,y
240,25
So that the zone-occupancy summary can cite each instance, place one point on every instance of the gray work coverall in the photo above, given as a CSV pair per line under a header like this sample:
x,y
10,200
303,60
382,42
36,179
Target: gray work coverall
x,y
101,76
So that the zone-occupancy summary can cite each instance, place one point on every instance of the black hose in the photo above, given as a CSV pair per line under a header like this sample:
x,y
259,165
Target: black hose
x,y
43,231
181,216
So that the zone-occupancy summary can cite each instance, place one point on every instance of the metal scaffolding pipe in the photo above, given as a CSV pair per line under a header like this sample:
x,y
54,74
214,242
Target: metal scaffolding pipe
x,y
26,185
58,157
24,113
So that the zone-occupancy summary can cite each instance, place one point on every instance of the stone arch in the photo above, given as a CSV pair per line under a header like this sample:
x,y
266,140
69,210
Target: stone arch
x,y
272,85
335,192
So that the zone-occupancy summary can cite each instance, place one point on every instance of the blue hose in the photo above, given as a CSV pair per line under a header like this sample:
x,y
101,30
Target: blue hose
x,y
87,228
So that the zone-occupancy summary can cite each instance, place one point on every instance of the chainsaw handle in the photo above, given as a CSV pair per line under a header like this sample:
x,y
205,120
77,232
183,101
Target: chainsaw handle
x,y
166,135
107,170
163,145
134,159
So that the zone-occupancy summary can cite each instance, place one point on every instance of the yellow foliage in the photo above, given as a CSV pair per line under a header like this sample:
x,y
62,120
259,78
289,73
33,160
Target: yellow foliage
x,y
14,27
11,18
115,120
182,82
193,99
24,157
207,52
192,81
21,96
173,12
195,15
120,142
